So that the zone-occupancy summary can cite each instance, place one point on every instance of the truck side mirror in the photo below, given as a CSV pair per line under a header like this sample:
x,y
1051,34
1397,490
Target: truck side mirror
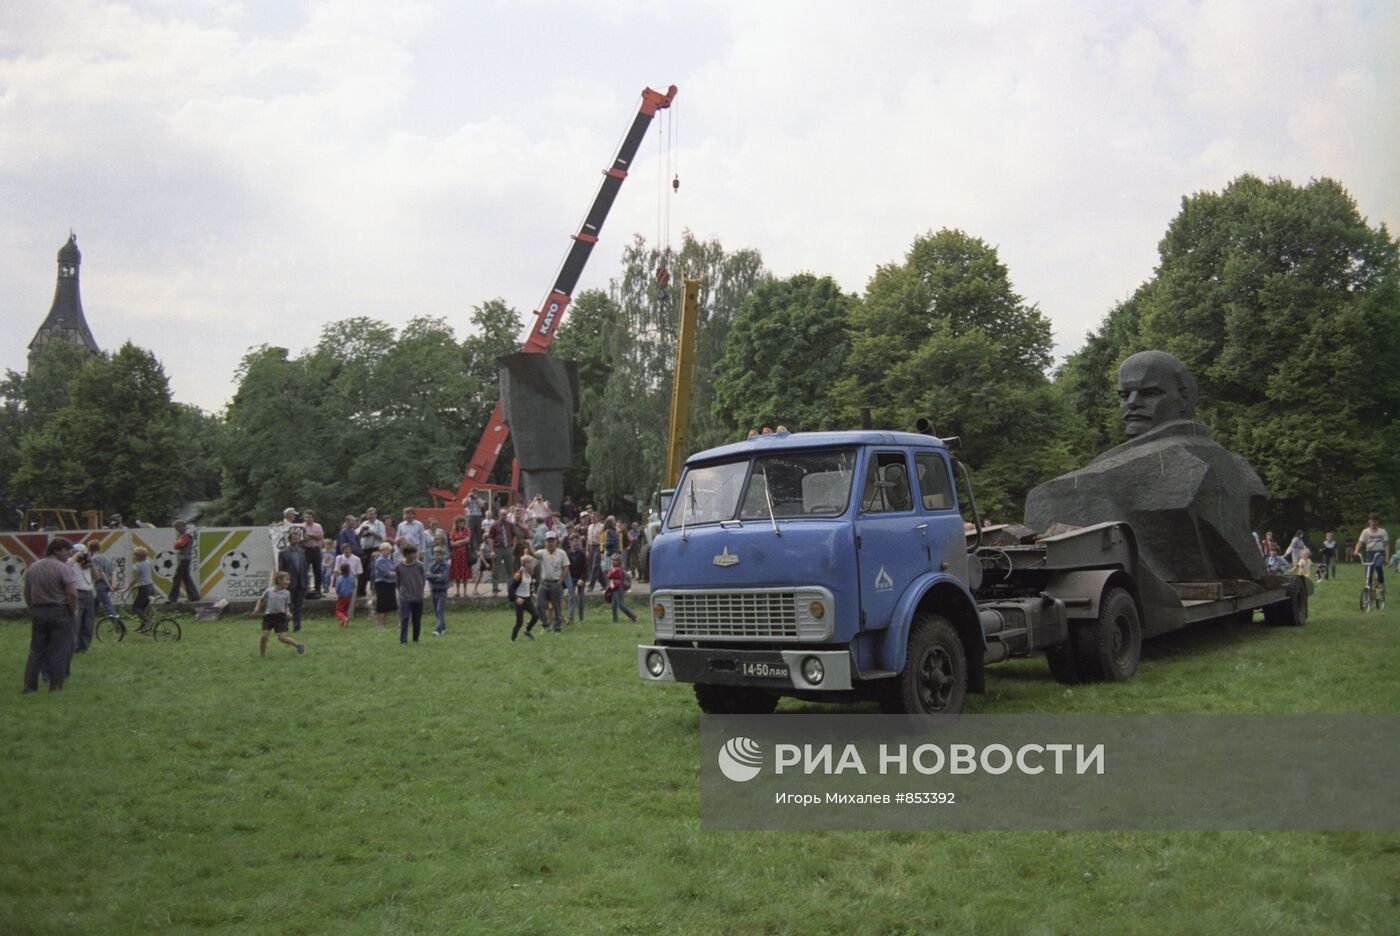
x,y
971,503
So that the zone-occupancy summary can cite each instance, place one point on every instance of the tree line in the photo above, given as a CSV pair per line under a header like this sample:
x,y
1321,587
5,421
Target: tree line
x,y
1282,299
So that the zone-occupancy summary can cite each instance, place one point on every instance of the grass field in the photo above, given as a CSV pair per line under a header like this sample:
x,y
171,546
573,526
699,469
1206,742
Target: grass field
x,y
469,784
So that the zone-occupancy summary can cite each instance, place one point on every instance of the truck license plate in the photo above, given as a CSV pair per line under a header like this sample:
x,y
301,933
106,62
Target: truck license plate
x,y
763,671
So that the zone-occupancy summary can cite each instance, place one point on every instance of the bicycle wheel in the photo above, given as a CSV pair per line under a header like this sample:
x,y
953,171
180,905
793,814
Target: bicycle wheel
x,y
166,628
1380,598
109,629
1365,598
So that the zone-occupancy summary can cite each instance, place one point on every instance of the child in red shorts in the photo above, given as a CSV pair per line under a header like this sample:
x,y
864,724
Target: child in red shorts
x,y
344,593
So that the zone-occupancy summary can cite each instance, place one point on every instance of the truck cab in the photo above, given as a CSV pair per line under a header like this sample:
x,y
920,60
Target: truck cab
x,y
810,565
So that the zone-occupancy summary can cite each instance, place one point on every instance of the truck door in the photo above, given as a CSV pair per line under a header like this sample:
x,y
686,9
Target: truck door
x,y
944,538
889,537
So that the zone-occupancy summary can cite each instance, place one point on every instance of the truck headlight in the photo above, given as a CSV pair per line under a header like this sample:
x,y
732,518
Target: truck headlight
x,y
818,609
813,671
656,663
659,610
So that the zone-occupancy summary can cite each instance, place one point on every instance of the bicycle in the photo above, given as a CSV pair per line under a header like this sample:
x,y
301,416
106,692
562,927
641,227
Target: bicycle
x,y
160,625
1372,593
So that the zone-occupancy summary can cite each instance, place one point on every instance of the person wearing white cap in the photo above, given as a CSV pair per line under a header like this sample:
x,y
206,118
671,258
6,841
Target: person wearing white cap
x,y
87,596
278,532
554,564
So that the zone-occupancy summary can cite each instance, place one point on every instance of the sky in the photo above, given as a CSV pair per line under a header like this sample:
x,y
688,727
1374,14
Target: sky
x,y
243,173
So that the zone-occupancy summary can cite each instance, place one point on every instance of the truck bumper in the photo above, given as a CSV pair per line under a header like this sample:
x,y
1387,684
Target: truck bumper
x,y
724,667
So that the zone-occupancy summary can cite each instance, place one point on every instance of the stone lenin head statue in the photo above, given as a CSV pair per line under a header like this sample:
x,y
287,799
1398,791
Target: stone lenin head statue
x,y
1154,388
1189,501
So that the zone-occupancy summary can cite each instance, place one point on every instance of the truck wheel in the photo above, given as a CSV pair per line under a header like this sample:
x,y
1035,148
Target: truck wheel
x,y
934,680
1292,612
734,700
1109,648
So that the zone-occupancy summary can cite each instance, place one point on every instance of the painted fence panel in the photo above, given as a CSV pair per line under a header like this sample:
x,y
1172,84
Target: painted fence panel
x,y
229,562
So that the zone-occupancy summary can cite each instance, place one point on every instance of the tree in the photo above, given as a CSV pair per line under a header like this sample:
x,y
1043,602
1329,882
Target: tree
x,y
944,336
624,419
497,332
784,351
114,445
273,436
201,441
367,416
27,402
593,335
1087,379
1285,305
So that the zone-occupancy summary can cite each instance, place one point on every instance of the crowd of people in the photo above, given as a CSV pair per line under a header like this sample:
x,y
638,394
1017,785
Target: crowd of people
x,y
547,562
1371,547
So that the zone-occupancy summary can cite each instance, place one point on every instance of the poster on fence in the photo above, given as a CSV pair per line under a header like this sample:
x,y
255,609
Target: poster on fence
x,y
229,562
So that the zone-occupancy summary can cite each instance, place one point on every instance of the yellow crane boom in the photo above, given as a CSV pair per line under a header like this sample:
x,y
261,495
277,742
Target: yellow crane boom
x,y
680,382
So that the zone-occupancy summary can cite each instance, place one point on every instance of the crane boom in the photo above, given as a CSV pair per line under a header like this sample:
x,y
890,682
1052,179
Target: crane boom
x,y
680,381
551,313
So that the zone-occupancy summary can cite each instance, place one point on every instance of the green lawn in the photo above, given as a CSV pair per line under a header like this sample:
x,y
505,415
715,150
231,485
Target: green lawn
x,y
469,784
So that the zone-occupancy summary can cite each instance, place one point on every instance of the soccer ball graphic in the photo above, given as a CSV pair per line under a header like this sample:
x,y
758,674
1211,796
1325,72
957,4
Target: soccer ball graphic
x,y
164,564
11,568
234,563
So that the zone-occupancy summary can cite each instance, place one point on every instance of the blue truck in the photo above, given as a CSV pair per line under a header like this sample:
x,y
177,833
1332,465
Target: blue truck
x,y
839,566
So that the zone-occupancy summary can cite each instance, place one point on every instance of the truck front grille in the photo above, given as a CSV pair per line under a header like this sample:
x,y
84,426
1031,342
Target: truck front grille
x,y
755,615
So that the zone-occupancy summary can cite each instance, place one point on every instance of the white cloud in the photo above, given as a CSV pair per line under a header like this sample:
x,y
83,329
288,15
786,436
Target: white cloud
x,y
245,175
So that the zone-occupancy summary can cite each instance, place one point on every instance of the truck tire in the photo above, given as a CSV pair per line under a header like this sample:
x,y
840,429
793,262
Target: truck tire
x,y
734,700
1109,648
934,679
1292,612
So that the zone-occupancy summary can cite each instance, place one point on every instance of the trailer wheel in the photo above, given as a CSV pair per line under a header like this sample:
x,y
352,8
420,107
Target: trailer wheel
x,y
1109,648
934,680
734,700
1292,612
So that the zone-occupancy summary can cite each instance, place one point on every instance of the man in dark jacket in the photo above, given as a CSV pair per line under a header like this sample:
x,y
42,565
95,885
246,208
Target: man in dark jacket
x,y
292,560
578,578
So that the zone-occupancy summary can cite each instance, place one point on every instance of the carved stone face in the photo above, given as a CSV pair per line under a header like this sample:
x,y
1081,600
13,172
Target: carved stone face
x,y
1148,394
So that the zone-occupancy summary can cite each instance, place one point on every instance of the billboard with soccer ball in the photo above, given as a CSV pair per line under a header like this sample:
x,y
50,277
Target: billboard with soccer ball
x,y
229,562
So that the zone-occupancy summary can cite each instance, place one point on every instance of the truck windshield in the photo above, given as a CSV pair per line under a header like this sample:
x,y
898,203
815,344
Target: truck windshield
x,y
708,494
800,484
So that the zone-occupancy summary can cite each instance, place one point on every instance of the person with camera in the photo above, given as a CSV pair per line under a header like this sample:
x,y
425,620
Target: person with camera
x,y
184,554
87,596
104,578
475,512
371,533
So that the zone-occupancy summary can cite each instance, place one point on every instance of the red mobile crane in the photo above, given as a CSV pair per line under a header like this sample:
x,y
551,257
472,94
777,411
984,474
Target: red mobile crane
x,y
551,313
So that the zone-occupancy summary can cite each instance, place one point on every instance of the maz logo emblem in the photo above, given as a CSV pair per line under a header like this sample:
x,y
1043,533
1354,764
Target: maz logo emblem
x,y
726,559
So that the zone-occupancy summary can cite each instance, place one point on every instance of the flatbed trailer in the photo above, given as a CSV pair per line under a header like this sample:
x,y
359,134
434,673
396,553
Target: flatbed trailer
x,y
1050,593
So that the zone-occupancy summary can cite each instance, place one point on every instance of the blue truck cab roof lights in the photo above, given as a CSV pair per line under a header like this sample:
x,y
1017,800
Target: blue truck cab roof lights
x,y
792,441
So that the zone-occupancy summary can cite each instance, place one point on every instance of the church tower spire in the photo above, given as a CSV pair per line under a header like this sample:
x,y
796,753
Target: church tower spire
x,y
65,322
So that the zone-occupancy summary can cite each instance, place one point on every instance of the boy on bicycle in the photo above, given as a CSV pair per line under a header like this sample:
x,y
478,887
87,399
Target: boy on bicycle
x,y
1374,541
